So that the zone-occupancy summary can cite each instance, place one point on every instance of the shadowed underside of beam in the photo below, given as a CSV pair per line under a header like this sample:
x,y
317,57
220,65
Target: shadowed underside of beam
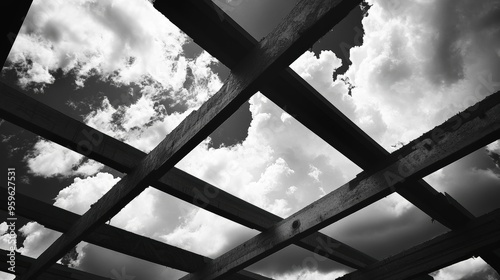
x,y
306,23
476,236
419,158
290,92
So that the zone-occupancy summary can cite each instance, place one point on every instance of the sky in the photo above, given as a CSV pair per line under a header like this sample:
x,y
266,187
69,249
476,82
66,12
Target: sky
x,y
396,70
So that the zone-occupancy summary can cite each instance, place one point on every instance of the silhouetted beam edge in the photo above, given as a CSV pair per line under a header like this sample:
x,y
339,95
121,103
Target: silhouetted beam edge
x,y
479,235
56,272
114,238
294,95
11,22
424,156
307,22
47,122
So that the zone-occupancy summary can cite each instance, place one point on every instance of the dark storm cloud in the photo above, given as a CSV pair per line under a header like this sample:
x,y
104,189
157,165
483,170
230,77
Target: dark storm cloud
x,y
455,22
474,181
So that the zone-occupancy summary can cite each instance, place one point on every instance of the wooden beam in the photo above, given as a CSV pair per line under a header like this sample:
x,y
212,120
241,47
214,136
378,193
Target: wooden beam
x,y
114,238
43,120
307,22
11,21
417,159
477,236
56,272
290,92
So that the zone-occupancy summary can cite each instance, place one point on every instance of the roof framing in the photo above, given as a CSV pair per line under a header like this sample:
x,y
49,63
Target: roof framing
x,y
304,25
413,161
253,64
294,95
41,119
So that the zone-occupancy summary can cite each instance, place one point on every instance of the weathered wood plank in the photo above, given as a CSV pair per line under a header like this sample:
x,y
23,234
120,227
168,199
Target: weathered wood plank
x,y
303,26
304,103
419,158
20,109
476,236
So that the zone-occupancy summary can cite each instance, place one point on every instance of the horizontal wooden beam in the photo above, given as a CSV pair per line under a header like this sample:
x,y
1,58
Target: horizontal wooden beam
x,y
30,114
114,238
290,92
477,236
307,22
425,155
56,272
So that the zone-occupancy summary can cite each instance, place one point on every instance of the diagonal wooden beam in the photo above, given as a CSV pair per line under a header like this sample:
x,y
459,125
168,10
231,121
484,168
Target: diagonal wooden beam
x,y
10,23
56,272
47,122
308,21
290,92
420,158
114,238
475,237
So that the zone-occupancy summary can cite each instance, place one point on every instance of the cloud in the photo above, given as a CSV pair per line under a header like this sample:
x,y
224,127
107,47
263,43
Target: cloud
x,y
6,276
422,61
474,268
121,41
308,275
121,44
110,264
473,181
82,193
48,159
38,239
493,150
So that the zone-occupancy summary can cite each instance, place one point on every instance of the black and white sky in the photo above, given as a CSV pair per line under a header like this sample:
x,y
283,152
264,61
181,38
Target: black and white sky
x,y
396,69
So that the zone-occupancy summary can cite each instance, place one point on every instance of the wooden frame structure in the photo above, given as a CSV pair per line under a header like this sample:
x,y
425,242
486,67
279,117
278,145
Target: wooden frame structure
x,y
262,66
